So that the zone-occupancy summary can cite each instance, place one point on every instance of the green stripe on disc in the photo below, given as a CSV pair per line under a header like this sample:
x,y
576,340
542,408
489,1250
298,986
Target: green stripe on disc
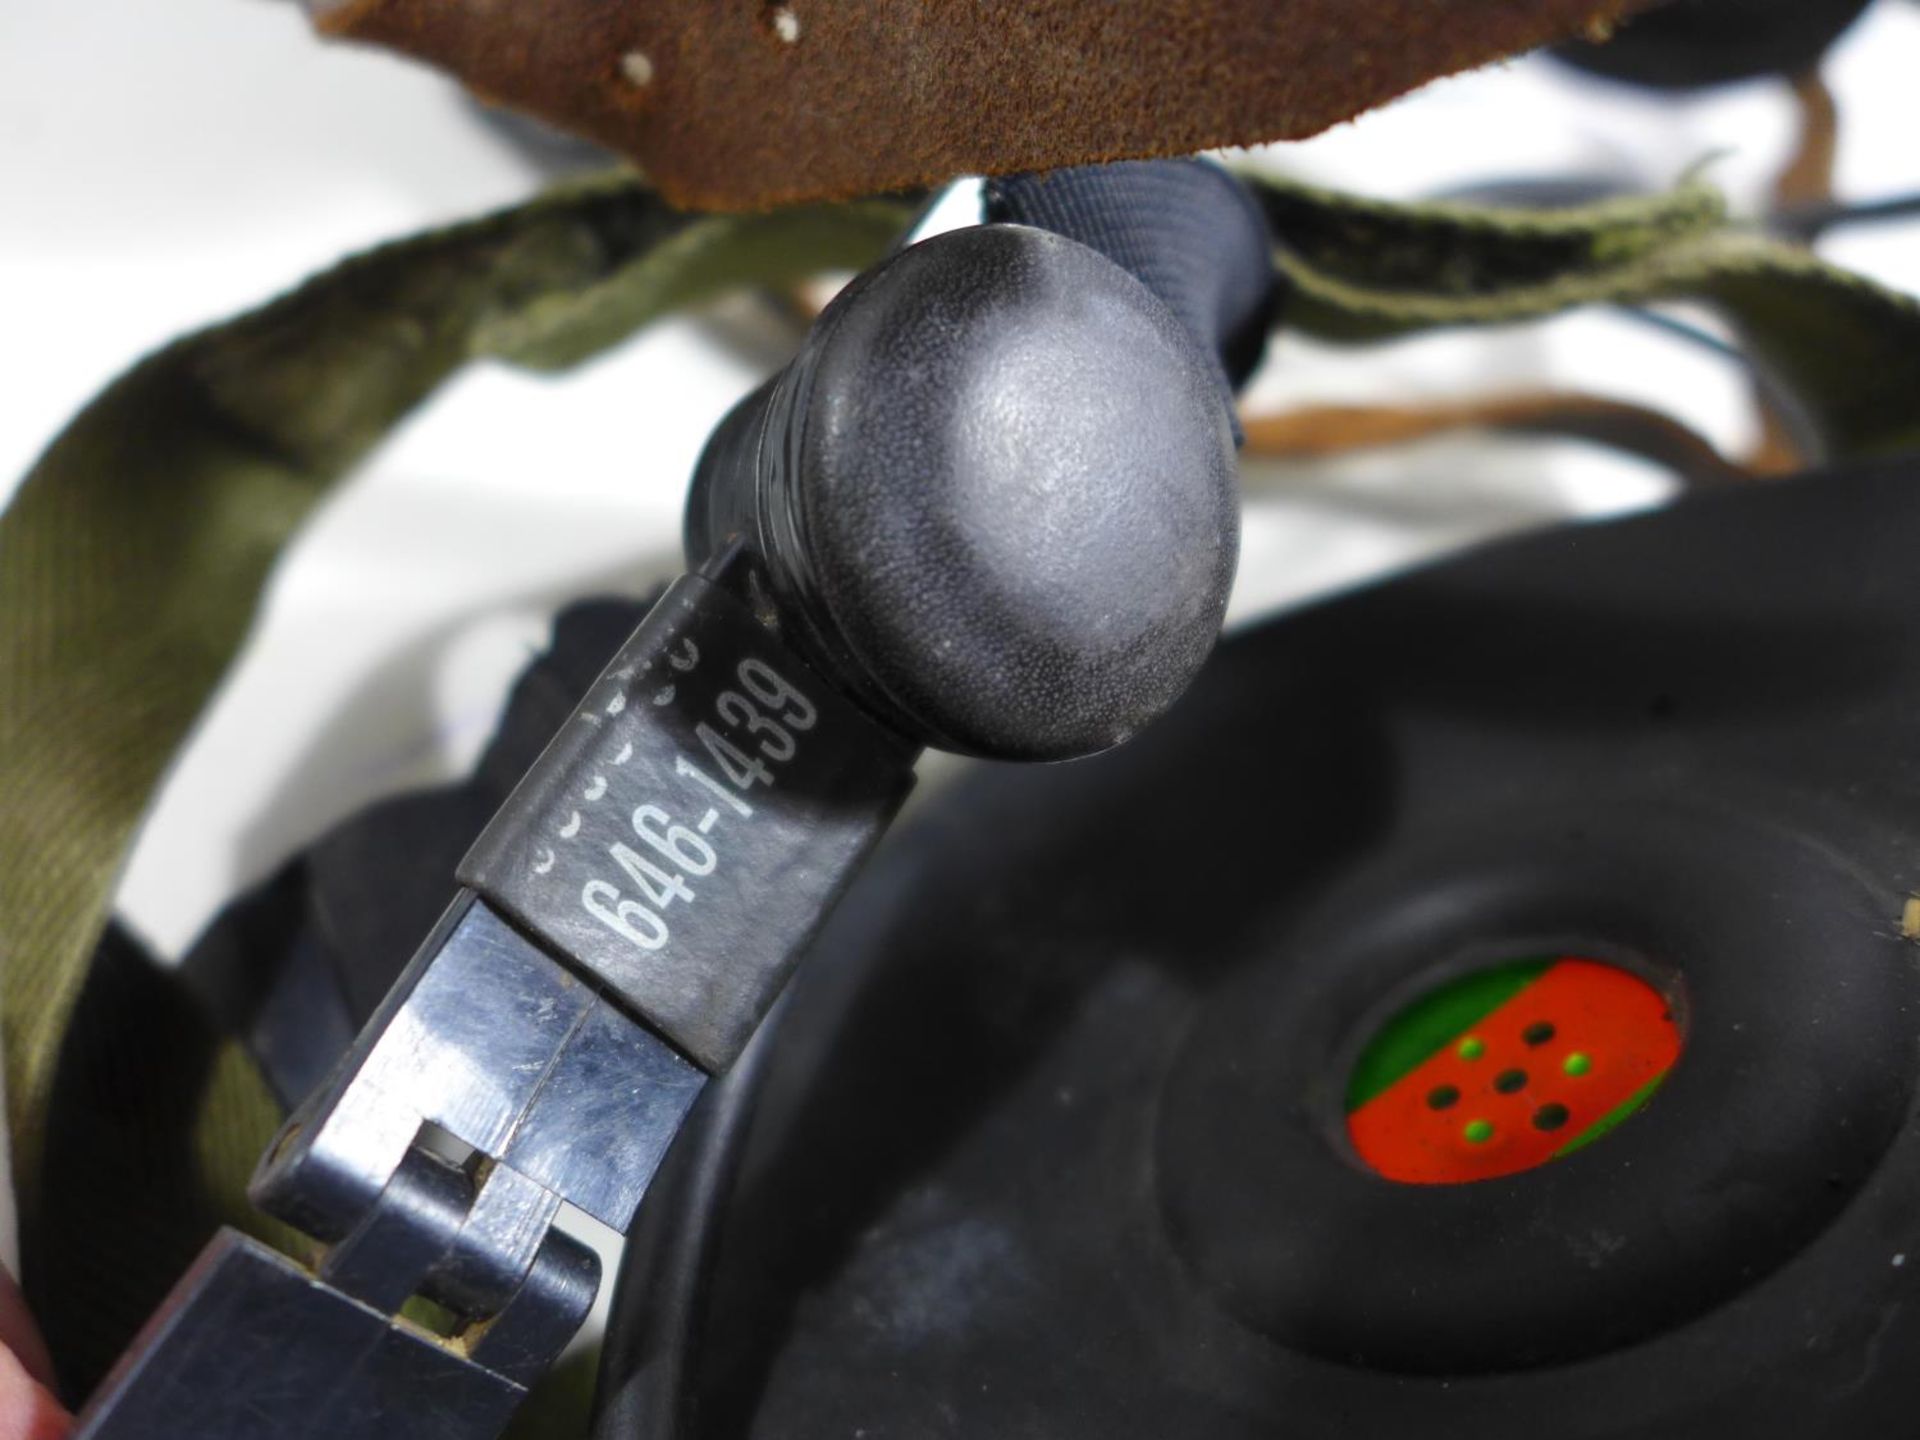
x,y
1612,1118
1433,1020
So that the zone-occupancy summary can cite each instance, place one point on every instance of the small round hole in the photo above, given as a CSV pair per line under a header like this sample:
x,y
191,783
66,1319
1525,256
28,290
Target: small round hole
x,y
1550,1117
1442,1096
1538,1033
1508,1081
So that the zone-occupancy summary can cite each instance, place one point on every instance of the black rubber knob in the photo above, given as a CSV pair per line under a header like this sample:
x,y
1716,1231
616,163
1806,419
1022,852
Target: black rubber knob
x,y
1690,44
1186,229
995,494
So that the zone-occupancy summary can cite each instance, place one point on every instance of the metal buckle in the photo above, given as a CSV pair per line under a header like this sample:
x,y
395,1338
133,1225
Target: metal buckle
x,y
523,1064
494,1086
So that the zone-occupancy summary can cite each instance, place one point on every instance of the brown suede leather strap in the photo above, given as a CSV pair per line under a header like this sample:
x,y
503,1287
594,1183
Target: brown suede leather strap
x,y
764,102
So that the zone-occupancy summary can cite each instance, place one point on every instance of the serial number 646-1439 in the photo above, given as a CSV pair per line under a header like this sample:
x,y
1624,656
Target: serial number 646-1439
x,y
766,712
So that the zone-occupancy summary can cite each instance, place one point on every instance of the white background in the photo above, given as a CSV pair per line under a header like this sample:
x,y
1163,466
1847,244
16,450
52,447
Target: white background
x,y
163,165
166,164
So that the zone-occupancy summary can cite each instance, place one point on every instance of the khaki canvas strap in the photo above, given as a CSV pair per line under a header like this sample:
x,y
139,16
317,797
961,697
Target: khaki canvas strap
x,y
133,557
1846,349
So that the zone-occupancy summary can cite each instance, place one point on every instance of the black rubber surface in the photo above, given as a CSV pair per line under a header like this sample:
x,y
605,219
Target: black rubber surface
x,y
1691,44
1185,229
1045,1140
997,489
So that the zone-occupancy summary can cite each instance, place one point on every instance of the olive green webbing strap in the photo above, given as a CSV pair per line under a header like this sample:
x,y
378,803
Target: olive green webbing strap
x,y
1846,349
134,555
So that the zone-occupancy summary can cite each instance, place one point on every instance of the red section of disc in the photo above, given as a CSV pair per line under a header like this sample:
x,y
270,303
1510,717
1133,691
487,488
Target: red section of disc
x,y
1545,1071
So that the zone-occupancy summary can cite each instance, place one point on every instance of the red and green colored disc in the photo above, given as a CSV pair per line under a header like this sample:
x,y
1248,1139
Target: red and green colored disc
x,y
1507,1069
